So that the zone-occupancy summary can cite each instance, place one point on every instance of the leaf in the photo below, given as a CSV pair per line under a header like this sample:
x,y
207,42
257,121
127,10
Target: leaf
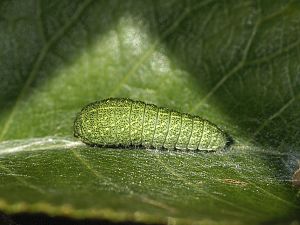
x,y
234,63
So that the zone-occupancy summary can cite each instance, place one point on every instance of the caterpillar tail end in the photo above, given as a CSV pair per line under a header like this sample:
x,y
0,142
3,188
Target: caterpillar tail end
x,y
229,142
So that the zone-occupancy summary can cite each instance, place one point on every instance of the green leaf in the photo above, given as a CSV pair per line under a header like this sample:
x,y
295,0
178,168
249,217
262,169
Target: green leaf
x,y
234,63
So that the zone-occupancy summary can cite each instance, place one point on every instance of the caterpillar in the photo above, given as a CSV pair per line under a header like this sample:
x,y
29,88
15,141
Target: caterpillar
x,y
122,122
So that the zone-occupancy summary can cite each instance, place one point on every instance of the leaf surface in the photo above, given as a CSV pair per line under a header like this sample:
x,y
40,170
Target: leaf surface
x,y
233,63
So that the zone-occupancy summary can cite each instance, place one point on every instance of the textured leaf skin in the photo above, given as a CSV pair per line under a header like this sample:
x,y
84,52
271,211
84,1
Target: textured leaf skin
x,y
124,122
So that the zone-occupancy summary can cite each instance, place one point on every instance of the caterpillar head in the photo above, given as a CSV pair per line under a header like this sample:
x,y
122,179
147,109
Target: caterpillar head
x,y
77,126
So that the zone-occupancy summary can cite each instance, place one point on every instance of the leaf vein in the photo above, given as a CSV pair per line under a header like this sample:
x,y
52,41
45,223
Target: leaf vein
x,y
33,73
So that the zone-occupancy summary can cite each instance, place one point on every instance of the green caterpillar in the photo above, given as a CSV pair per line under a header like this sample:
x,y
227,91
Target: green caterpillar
x,y
123,122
